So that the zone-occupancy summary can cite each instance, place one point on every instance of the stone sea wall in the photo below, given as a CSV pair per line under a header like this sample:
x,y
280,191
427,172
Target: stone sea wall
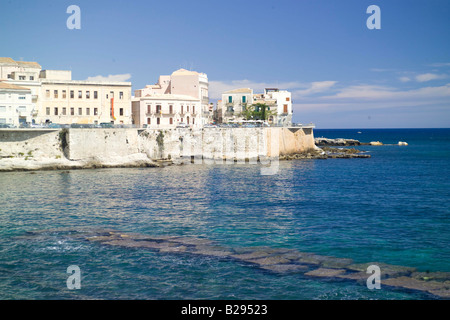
x,y
28,149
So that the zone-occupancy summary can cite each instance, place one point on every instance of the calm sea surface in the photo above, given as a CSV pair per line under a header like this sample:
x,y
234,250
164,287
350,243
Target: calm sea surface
x,y
392,208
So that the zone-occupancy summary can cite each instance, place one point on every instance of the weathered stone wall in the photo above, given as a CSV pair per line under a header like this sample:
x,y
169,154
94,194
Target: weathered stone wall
x,y
209,143
28,143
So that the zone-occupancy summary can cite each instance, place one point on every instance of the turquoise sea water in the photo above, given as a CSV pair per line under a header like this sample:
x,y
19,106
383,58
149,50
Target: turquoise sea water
x,y
392,208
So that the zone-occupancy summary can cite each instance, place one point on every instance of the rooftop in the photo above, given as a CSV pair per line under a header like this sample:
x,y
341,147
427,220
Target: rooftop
x,y
29,64
4,85
241,90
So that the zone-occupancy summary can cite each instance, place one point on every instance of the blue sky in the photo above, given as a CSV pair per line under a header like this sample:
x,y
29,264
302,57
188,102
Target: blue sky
x,y
341,74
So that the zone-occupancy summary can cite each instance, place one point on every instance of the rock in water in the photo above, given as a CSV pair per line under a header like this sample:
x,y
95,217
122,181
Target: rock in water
x,y
325,273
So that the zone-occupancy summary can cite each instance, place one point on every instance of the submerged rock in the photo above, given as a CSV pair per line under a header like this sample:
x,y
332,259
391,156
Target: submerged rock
x,y
387,270
435,275
325,272
285,268
440,289
277,259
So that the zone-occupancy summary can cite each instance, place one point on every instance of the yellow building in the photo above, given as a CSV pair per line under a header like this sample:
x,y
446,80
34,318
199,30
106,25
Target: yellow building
x,y
66,101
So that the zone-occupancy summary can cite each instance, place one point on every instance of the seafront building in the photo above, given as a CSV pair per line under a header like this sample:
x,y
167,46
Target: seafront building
x,y
56,98
234,102
16,106
180,99
63,100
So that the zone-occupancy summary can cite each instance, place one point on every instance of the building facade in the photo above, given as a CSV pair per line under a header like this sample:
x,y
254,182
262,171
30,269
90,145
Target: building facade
x,y
66,101
165,111
16,106
178,99
59,99
234,102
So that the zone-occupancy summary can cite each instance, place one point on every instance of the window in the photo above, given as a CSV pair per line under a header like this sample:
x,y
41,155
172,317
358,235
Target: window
x,y
158,109
64,111
47,93
21,97
230,99
182,110
171,121
2,108
88,111
244,99
193,120
95,94
149,121
9,76
80,94
193,109
158,120
285,108
187,120
187,108
21,77
288,99
64,94
47,111
88,94
72,95
121,111
56,111
149,108
72,111
171,109
31,78
80,111
95,111
55,94
121,95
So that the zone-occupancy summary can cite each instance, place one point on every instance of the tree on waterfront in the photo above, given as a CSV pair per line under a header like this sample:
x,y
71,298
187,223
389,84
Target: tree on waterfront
x,y
257,111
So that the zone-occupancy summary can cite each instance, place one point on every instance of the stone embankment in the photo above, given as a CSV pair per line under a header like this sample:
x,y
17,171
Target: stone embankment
x,y
63,149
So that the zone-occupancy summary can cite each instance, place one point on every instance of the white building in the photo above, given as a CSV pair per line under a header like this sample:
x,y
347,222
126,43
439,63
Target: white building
x,y
279,104
16,106
279,101
234,102
181,98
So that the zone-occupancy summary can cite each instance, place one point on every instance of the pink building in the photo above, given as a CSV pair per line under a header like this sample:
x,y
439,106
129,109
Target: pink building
x,y
178,99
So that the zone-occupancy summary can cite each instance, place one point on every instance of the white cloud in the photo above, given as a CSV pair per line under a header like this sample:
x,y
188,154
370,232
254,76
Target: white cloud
x,y
315,87
440,64
429,76
216,88
111,78
405,79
